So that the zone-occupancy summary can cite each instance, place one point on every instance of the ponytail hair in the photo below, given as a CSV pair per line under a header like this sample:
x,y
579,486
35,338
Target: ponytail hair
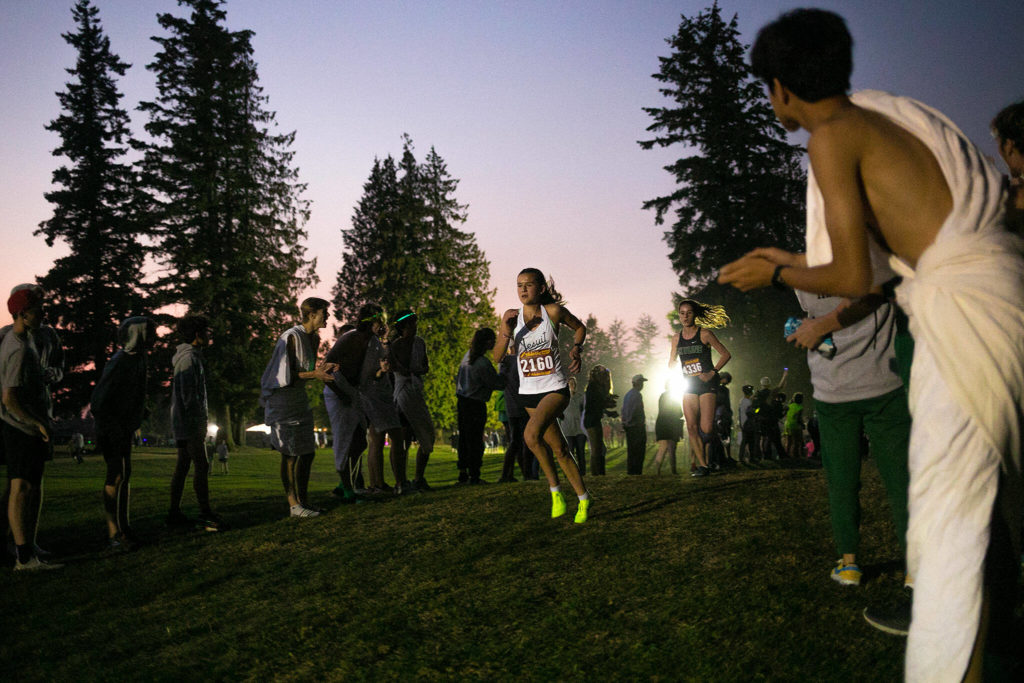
x,y
550,295
483,340
711,316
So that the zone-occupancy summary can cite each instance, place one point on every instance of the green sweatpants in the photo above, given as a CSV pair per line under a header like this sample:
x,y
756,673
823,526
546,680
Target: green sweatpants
x,y
886,422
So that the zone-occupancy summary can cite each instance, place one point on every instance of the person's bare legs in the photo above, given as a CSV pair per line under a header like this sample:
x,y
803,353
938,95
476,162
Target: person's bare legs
x,y
288,478
375,458
303,466
17,510
672,455
663,446
399,457
692,410
544,438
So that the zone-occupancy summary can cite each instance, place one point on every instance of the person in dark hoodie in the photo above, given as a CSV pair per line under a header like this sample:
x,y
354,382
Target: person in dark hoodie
x,y
189,418
118,405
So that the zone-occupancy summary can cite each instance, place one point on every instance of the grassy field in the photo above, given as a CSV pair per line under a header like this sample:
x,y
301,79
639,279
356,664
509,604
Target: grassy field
x,y
672,578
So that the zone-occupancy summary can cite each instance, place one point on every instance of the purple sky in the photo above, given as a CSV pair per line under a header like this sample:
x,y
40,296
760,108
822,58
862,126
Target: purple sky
x,y
536,107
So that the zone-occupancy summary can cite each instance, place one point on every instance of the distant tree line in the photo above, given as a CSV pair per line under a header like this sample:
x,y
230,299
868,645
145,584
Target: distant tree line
x,y
211,200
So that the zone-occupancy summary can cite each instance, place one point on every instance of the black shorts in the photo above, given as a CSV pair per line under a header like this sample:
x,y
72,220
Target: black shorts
x,y
533,400
25,454
695,385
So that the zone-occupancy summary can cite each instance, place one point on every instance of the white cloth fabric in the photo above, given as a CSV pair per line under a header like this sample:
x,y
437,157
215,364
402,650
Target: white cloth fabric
x,y
964,300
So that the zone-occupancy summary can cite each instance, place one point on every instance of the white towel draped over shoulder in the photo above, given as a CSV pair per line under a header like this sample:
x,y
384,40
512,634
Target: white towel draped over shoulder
x,y
966,296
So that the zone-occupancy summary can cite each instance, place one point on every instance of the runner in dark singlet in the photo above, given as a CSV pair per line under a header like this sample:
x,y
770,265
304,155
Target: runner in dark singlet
x,y
692,347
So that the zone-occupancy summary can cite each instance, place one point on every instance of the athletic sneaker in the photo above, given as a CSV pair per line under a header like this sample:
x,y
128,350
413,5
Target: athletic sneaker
x,y
582,510
346,496
35,565
895,621
39,552
557,504
846,574
700,472
212,522
303,511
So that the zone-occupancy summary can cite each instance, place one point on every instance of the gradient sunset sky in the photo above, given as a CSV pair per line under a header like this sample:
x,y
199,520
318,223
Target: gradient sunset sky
x,y
535,106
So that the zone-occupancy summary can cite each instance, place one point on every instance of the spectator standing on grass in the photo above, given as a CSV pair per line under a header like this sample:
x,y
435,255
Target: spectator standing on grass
x,y
794,426
118,405
286,406
475,381
516,452
222,453
341,399
571,424
189,420
51,357
598,403
749,436
26,424
668,428
408,356
634,422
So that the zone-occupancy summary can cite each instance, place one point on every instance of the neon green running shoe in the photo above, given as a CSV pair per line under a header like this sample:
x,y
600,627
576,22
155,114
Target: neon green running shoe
x,y
581,511
557,504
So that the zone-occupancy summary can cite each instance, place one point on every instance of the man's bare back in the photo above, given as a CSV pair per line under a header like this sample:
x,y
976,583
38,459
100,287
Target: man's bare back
x,y
905,194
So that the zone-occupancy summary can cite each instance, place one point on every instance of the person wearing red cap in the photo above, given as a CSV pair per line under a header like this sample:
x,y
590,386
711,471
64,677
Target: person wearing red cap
x,y
26,425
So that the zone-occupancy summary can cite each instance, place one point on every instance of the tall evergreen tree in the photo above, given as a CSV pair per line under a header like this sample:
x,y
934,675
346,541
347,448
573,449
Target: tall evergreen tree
x,y
406,249
225,200
740,186
97,284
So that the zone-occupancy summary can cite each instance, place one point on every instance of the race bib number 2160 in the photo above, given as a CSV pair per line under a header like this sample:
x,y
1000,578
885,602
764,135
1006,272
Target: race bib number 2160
x,y
536,363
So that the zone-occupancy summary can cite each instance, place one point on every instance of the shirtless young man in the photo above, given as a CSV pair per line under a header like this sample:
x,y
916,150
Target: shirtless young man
x,y
894,173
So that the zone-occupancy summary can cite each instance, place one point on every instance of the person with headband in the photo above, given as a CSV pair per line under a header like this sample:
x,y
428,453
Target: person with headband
x,y
408,356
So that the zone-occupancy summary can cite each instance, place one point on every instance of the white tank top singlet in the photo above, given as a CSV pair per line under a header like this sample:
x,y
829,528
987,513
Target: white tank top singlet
x,y
540,368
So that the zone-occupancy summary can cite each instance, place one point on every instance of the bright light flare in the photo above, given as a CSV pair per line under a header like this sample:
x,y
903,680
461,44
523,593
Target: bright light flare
x,y
212,429
264,429
672,378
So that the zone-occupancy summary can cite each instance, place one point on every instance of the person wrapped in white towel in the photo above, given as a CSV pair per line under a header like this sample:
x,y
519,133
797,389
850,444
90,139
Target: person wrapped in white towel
x,y
896,171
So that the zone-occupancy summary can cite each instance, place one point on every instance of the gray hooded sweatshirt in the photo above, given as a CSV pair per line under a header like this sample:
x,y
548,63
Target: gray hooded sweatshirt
x,y
189,410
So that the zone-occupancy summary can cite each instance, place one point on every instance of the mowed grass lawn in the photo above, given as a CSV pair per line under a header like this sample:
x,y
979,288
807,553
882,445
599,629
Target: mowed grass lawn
x,y
673,578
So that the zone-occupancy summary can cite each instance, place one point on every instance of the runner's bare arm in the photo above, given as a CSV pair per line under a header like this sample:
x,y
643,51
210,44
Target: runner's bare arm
x,y
709,338
505,331
835,161
562,315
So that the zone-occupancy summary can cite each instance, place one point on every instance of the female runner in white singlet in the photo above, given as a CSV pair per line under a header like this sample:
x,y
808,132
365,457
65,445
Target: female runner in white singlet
x,y
532,331
692,348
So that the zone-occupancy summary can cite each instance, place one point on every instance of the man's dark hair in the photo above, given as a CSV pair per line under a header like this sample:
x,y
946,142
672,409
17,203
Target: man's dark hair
x,y
190,326
311,305
1009,125
810,51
